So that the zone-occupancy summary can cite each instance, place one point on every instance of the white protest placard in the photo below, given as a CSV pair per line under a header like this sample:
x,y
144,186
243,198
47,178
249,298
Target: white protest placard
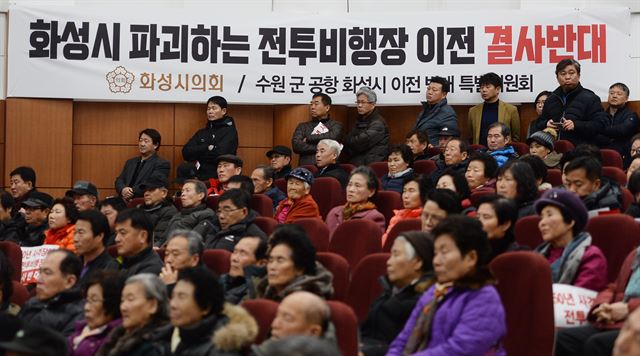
x,y
32,258
571,305
186,55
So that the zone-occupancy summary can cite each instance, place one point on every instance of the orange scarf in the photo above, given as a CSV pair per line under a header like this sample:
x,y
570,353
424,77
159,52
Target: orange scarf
x,y
62,236
350,209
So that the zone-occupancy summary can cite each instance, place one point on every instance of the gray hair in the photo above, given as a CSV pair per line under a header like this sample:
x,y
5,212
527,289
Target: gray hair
x,y
409,251
154,288
199,185
333,145
369,93
194,240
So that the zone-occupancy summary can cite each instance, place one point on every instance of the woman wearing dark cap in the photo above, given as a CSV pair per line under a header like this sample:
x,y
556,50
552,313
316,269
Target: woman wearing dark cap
x,y
299,203
541,145
567,246
462,313
219,137
409,274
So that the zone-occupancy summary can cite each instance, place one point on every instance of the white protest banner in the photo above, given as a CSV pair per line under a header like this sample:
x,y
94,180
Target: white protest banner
x,y
186,55
32,258
571,305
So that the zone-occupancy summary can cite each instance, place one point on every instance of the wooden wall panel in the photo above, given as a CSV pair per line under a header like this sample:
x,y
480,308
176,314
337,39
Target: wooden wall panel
x,y
2,179
38,133
285,120
252,157
254,124
2,147
119,123
189,118
100,164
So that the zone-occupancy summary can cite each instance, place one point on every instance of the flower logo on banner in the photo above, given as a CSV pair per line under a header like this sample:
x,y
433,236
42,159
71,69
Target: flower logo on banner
x,y
120,80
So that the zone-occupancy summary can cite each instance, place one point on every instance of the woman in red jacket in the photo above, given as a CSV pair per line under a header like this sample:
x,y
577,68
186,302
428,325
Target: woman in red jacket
x,y
299,203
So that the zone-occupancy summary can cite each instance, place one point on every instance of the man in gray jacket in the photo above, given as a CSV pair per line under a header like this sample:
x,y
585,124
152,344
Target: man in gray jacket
x,y
368,141
308,134
436,113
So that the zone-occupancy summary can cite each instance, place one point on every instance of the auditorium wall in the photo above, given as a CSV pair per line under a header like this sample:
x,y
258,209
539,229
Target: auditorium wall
x,y
65,141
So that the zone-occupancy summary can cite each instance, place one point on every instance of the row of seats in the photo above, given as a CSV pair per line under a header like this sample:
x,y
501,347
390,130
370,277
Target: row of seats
x,y
524,285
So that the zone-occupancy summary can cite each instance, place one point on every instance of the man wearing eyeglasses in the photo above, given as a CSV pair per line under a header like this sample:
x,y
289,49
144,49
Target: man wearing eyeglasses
x,y
572,109
368,141
235,220
308,134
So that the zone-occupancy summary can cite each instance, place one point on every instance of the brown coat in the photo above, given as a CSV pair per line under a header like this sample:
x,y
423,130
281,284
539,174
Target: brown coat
x,y
507,114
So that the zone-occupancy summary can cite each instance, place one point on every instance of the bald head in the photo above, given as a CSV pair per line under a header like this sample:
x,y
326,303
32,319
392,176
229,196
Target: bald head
x,y
301,313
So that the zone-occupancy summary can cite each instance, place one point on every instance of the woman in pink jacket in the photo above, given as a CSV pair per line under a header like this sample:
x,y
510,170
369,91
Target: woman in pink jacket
x,y
567,247
362,186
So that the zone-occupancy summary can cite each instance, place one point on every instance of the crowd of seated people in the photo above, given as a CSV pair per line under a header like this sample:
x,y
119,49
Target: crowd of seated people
x,y
132,274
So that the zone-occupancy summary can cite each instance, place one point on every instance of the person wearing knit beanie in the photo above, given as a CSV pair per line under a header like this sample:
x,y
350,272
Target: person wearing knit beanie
x,y
541,144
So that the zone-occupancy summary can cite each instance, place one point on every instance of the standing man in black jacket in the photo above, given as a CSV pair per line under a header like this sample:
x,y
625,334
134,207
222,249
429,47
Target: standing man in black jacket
x,y
219,137
308,134
573,110
139,169
622,122
368,141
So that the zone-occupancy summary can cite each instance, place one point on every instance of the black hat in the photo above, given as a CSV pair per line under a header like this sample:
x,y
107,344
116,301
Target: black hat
x,y
37,199
154,182
422,243
229,158
83,187
37,340
185,171
283,150
449,131
301,173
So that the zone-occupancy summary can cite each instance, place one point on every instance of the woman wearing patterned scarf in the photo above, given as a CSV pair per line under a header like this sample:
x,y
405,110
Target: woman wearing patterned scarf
x,y
566,245
362,187
461,314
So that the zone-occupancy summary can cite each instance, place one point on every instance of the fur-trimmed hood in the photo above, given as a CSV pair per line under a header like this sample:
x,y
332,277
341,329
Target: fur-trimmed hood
x,y
239,331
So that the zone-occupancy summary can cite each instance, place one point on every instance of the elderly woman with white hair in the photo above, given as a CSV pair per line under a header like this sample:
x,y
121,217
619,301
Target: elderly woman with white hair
x,y
327,153
368,141
144,308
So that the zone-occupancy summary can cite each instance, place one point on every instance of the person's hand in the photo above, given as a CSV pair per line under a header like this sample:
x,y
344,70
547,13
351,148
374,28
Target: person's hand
x,y
429,146
551,124
618,311
210,147
168,275
127,193
568,125
602,313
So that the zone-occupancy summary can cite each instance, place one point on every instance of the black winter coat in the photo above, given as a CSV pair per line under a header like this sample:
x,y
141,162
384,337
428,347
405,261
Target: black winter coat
x,y
307,148
388,314
581,106
9,231
146,261
608,196
160,216
368,141
228,238
222,135
34,235
199,219
58,313
334,171
619,130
